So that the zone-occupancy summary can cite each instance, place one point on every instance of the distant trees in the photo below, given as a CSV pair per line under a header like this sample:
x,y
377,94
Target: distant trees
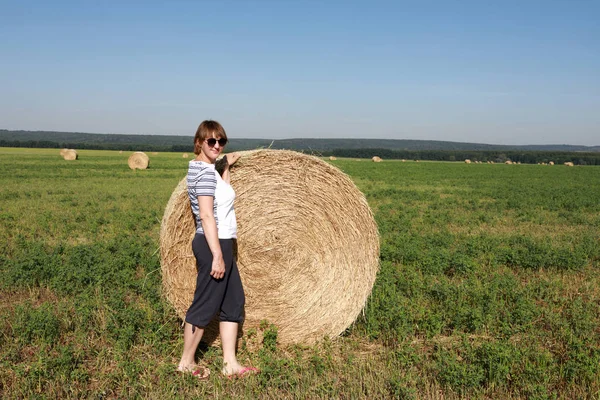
x,y
40,144
44,144
524,157
498,156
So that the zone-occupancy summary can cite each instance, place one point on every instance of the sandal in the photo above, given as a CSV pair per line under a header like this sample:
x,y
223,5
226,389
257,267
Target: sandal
x,y
201,373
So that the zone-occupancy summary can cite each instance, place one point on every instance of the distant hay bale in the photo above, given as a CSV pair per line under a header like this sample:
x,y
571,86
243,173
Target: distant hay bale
x,y
332,158
154,153
70,155
138,160
403,160
508,162
307,248
551,163
376,159
120,151
467,161
184,155
569,164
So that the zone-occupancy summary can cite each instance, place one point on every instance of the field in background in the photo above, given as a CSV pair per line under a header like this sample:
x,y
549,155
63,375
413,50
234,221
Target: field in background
x,y
488,287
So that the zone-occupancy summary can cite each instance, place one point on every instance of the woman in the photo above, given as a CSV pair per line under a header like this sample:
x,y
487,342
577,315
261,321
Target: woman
x,y
218,284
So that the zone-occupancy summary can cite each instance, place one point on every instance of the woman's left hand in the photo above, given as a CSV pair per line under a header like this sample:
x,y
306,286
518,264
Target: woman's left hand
x,y
232,158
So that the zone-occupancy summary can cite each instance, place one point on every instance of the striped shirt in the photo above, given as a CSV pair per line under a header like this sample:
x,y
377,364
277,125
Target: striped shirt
x,y
201,181
204,180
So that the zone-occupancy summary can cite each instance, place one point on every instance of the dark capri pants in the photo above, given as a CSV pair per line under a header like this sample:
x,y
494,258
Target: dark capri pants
x,y
224,296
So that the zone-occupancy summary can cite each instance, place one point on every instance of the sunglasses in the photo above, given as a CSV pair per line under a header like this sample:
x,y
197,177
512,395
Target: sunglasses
x,y
212,141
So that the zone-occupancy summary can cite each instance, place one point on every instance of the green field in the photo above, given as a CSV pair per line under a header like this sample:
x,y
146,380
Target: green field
x,y
489,286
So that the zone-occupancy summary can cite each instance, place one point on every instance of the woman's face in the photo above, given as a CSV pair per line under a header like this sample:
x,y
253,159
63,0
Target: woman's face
x,y
213,146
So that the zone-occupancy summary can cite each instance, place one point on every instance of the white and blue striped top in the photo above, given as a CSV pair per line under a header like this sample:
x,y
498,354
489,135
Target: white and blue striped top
x,y
201,181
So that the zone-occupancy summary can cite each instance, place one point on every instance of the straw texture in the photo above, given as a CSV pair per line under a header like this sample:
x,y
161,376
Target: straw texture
x,y
69,154
308,246
138,160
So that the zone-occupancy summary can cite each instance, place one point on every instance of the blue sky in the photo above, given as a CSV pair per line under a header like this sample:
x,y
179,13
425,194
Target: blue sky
x,y
502,72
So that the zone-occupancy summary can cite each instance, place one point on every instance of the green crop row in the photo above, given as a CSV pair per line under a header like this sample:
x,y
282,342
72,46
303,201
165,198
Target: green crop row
x,y
488,286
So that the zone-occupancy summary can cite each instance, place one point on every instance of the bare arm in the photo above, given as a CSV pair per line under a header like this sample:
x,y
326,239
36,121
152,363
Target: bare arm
x,y
231,159
209,225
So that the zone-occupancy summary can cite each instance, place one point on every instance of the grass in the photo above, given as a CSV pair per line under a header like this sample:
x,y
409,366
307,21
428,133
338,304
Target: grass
x,y
488,286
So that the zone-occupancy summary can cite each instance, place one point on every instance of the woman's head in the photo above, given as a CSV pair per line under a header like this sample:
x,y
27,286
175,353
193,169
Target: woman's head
x,y
208,129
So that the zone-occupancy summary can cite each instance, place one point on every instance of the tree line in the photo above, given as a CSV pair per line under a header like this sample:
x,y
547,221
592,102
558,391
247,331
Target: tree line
x,y
524,157
45,144
497,156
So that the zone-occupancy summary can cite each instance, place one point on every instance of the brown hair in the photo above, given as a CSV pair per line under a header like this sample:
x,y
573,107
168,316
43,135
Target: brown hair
x,y
205,130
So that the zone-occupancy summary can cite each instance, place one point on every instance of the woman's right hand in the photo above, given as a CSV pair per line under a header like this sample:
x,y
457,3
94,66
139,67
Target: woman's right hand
x,y
218,267
232,158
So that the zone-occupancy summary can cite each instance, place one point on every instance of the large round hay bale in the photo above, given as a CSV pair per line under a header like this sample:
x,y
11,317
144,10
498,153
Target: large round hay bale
x,y
70,155
138,160
376,159
467,161
307,248
332,158
63,152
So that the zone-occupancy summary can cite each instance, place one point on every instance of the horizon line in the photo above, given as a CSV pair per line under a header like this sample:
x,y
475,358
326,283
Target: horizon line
x,y
308,138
